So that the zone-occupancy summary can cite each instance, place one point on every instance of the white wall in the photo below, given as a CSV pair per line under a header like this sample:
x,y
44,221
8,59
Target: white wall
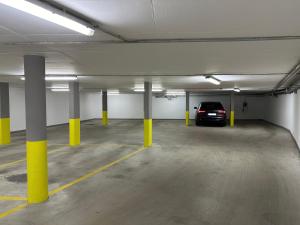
x,y
130,106
57,107
125,106
283,110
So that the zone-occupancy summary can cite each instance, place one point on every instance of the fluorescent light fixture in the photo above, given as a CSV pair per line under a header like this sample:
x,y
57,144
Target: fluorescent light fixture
x,y
138,89
157,90
61,78
60,89
175,92
57,78
51,16
153,89
213,80
113,92
236,90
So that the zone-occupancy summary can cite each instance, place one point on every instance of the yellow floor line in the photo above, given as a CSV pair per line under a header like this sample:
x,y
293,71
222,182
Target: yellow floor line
x,y
12,163
80,179
23,160
13,210
49,152
12,198
96,171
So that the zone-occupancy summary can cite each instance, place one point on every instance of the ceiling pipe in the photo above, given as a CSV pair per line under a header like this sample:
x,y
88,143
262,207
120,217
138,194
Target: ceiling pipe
x,y
289,80
221,39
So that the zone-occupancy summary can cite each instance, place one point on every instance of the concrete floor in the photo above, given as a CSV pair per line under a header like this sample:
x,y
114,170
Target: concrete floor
x,y
249,175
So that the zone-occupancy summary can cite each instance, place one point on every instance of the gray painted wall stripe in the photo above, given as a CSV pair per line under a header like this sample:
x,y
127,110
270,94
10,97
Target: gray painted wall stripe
x,y
187,101
74,100
4,100
35,98
104,101
148,100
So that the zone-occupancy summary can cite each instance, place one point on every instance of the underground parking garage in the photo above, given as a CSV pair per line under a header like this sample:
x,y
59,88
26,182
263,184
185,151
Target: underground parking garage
x,y
149,112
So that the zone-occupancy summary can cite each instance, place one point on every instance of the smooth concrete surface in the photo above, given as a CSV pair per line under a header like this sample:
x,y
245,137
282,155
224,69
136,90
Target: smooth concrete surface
x,y
249,175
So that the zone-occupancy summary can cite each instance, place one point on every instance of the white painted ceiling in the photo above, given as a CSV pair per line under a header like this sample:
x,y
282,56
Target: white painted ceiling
x,y
249,65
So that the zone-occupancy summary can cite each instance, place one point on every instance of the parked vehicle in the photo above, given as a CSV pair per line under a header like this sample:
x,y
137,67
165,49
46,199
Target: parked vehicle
x,y
210,113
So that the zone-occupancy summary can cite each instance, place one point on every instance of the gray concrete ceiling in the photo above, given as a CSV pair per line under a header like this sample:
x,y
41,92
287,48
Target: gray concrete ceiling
x,y
249,65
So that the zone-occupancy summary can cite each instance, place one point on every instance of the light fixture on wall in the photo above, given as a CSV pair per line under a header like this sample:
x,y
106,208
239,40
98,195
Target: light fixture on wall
x,y
213,80
50,14
57,78
236,90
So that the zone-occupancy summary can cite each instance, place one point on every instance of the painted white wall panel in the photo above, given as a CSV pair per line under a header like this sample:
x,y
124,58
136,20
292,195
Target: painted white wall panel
x,y
57,107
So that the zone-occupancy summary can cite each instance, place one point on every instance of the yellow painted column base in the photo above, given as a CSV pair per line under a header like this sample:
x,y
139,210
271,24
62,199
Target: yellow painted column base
x,y
147,132
74,129
187,118
232,119
4,131
37,171
104,118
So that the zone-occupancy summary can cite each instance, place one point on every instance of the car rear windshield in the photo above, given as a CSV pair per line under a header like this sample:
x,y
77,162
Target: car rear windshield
x,y
211,105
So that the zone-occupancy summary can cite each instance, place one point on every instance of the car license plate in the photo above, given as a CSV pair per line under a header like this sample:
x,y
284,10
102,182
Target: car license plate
x,y
212,114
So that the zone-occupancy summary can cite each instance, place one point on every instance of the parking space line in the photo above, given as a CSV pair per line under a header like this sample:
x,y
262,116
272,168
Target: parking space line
x,y
95,172
12,198
49,153
13,210
76,181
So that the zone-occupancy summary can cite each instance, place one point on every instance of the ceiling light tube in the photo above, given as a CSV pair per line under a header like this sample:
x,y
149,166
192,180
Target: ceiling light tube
x,y
175,92
60,89
49,15
236,90
153,89
113,92
213,80
57,78
61,78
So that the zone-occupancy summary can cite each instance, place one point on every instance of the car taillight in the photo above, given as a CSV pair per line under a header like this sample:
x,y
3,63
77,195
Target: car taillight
x,y
222,111
201,111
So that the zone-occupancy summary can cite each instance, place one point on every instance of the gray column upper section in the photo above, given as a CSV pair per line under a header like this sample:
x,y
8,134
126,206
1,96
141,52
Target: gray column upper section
x,y
187,101
148,100
35,98
232,101
104,101
4,100
74,100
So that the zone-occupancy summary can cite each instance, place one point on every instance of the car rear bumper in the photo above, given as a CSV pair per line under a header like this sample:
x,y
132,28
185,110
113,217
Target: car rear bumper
x,y
207,120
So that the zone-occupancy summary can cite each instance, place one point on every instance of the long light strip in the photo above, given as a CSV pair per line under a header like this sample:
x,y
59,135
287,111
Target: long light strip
x,y
236,90
48,15
175,92
213,80
113,92
143,90
61,78
57,78
60,89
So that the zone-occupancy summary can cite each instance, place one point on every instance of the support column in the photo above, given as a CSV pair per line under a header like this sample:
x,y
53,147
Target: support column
x,y
74,114
36,133
4,114
187,108
148,114
232,109
104,109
